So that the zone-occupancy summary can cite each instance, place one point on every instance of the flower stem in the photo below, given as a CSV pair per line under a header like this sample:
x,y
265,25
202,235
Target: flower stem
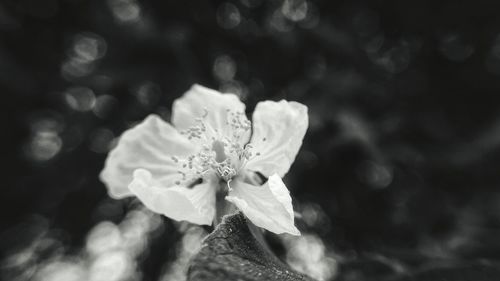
x,y
222,206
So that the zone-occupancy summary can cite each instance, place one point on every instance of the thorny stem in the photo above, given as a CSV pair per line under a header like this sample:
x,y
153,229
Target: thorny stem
x,y
258,233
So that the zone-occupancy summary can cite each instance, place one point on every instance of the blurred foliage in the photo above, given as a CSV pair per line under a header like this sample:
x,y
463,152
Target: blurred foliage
x,y
398,171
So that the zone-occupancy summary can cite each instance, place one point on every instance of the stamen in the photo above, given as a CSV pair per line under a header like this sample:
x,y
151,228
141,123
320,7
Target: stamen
x,y
199,129
226,172
223,155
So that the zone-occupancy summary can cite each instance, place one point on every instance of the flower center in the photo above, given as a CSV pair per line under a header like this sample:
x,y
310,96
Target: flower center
x,y
223,154
218,148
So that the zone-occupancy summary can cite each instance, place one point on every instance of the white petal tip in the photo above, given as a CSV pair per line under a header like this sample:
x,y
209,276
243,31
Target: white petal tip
x,y
142,174
113,187
294,232
198,86
290,230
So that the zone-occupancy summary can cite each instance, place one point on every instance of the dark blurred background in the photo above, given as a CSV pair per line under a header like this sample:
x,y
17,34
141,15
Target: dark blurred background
x,y
398,173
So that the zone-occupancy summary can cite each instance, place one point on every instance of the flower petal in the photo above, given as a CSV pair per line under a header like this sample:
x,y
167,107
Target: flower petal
x,y
200,101
268,206
195,205
278,130
150,145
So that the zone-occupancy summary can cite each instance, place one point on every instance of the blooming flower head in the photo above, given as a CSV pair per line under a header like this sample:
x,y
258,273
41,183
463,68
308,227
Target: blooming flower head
x,y
211,147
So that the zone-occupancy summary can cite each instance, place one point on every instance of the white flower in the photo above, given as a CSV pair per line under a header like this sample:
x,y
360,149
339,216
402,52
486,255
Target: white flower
x,y
213,147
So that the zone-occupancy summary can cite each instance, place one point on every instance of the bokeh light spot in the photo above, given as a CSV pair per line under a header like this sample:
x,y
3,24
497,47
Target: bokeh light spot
x,y
148,94
295,10
80,98
44,146
125,11
48,121
73,68
224,68
234,87
101,140
312,18
89,47
454,48
307,254
104,104
375,174
103,237
278,22
112,266
228,16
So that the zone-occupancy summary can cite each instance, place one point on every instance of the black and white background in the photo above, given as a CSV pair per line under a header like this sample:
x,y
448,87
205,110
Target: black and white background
x,y
399,173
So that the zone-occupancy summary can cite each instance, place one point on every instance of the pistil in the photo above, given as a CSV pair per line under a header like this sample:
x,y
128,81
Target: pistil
x,y
218,148
221,155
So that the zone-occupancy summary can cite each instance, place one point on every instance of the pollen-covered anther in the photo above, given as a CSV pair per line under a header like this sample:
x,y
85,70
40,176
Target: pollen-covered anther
x,y
226,172
197,130
238,122
222,155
